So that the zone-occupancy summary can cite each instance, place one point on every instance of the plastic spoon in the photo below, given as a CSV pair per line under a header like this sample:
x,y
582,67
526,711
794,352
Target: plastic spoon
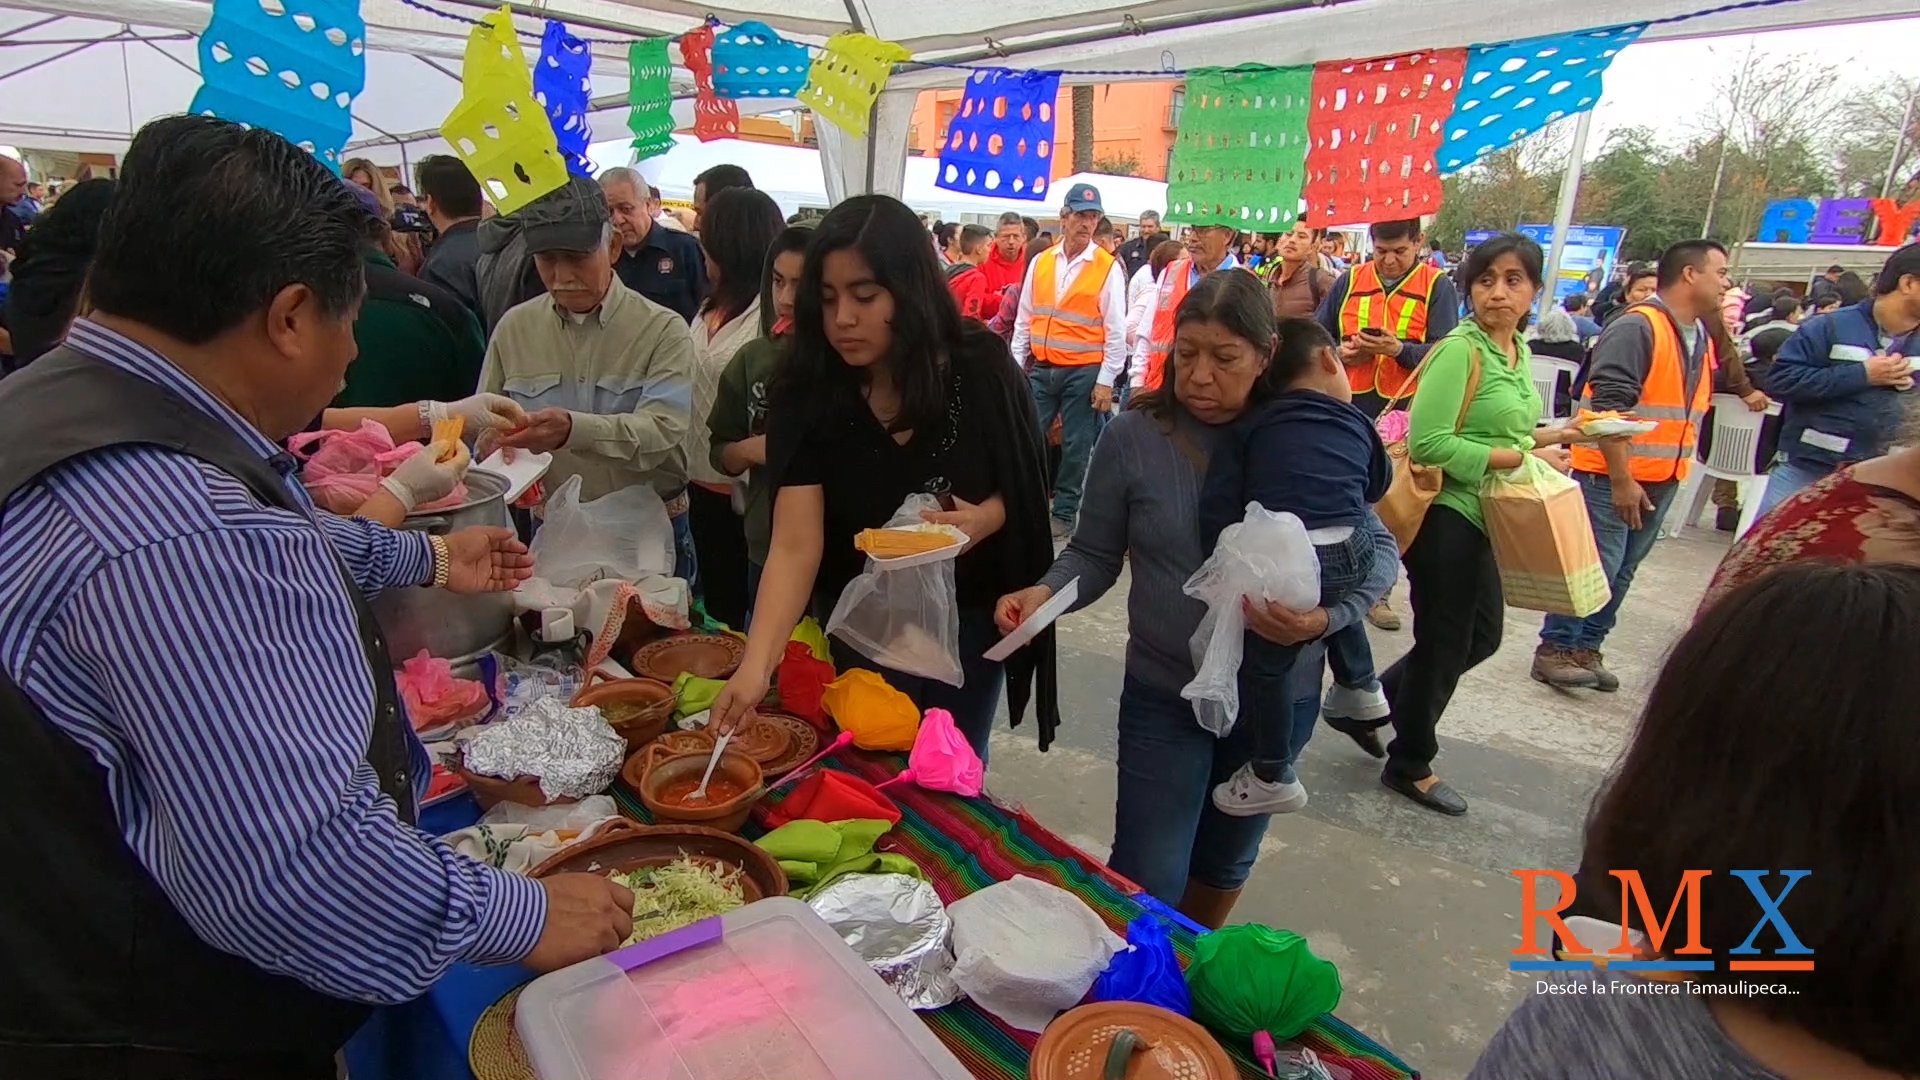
x,y
719,745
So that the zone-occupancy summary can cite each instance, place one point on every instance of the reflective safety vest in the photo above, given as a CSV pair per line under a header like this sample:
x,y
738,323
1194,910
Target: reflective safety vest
x,y
1069,331
1175,280
1401,312
1677,408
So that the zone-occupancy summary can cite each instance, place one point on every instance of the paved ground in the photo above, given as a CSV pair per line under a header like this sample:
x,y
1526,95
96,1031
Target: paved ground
x,y
1419,910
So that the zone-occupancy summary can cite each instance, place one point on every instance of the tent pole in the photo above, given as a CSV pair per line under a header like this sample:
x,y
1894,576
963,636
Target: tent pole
x,y
1563,213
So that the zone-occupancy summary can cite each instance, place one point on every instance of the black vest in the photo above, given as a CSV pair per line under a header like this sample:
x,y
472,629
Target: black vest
x,y
100,977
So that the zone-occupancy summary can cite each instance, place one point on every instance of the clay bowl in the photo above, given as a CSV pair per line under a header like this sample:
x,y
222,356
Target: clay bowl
x,y
490,790
709,656
626,846
638,709
652,770
687,742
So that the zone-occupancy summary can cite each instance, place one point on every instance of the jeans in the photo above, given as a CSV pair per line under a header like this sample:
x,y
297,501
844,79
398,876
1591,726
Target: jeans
x,y
1621,550
1067,392
1789,477
1266,701
972,703
1165,827
1457,615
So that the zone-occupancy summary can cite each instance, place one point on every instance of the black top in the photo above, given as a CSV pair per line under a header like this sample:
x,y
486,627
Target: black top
x,y
1137,252
453,263
667,268
13,228
867,475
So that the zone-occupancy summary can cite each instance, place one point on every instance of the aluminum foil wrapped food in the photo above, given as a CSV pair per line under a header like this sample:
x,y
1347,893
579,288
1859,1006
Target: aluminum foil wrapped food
x,y
899,927
572,751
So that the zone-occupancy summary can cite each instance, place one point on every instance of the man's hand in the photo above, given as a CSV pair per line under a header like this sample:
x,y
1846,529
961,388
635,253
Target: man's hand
x,y
1281,625
1756,401
546,430
587,916
1630,500
1889,371
482,560
1102,398
1378,343
1352,352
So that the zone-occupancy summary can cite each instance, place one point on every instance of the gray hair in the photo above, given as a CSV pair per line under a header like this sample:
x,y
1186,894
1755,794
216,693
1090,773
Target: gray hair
x,y
620,174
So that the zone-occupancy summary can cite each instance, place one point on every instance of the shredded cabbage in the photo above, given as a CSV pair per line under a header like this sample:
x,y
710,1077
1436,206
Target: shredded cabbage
x,y
681,893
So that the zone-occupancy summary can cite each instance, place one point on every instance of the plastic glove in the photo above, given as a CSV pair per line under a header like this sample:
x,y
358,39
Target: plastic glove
x,y
482,412
420,479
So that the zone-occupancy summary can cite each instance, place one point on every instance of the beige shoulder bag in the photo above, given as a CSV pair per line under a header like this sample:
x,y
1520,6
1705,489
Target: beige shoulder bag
x,y
1414,487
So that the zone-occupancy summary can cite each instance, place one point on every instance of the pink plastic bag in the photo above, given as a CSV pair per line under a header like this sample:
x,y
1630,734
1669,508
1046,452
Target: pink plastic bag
x,y
434,698
942,759
343,469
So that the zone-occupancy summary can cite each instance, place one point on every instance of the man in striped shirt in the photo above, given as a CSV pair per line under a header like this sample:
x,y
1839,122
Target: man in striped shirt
x,y
210,816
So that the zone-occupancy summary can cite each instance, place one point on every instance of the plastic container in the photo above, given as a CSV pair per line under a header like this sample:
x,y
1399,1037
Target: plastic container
x,y
908,562
768,990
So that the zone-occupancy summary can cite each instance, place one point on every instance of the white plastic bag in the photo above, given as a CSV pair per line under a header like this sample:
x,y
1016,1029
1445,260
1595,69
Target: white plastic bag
x,y
904,618
1266,556
624,534
1024,950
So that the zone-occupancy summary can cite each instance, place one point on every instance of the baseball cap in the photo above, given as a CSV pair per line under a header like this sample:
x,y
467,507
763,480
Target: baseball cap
x,y
1083,197
572,217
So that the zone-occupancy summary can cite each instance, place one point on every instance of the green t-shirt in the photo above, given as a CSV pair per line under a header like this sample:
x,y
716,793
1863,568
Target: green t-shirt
x,y
1503,414
417,341
740,412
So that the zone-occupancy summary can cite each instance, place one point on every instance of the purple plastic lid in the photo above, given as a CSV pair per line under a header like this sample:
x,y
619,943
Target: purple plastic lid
x,y
704,932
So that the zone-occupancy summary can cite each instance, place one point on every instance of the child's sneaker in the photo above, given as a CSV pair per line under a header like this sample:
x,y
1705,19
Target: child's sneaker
x,y
1346,703
1246,795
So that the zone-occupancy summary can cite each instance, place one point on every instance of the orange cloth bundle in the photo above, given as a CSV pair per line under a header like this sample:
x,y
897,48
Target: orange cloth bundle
x,y
872,711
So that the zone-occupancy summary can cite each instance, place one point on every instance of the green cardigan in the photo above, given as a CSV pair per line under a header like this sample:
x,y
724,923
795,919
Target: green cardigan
x,y
1504,412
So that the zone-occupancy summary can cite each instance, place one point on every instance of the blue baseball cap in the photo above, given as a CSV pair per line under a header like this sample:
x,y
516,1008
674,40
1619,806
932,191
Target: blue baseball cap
x,y
1084,197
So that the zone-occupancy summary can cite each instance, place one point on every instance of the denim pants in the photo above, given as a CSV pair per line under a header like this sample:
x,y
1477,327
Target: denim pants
x,y
1789,478
1266,669
1067,392
1621,550
973,703
686,565
1165,827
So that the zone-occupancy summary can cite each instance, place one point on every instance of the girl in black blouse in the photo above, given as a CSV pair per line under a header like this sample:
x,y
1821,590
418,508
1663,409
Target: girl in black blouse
x,y
888,392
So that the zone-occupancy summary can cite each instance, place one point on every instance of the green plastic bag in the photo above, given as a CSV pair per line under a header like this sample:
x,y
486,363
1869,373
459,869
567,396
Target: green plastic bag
x,y
1247,979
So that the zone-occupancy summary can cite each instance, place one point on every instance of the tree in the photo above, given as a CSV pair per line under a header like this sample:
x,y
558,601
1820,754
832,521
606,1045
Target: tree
x,y
1082,129
1117,164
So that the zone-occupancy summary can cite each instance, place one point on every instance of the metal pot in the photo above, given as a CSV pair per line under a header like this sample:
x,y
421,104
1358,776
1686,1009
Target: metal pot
x,y
456,628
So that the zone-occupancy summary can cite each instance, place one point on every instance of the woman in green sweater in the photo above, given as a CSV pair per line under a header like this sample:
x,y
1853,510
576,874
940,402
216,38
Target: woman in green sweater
x,y
1473,413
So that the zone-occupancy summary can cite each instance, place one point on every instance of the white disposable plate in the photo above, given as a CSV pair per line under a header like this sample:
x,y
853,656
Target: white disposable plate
x,y
523,472
904,561
1617,427
1042,617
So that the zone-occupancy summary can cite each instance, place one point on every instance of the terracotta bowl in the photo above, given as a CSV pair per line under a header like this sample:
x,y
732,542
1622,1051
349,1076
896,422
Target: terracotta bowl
x,y
763,741
709,656
647,703
687,742
626,846
650,771
490,790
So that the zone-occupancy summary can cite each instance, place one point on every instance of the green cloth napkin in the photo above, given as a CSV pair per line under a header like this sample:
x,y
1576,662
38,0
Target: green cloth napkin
x,y
695,694
814,853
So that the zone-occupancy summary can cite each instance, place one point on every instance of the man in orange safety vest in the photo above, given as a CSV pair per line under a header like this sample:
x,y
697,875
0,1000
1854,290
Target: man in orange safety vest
x,y
1071,326
1209,248
1656,362
1386,313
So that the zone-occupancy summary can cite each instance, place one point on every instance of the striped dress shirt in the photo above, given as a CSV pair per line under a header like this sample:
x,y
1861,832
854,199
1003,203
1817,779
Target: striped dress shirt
x,y
198,645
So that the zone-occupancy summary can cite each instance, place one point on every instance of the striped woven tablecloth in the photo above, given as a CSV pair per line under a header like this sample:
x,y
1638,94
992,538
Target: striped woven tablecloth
x,y
965,845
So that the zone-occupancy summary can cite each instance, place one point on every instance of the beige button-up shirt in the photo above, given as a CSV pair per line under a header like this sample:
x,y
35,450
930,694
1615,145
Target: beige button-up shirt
x,y
625,372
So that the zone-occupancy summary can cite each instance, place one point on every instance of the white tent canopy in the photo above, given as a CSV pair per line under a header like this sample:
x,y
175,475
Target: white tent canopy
x,y
91,77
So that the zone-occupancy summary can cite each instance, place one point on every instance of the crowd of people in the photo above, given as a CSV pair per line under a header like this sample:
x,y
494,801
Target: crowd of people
x,y
784,385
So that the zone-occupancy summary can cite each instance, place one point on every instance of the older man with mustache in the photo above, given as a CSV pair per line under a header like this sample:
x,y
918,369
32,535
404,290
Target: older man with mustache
x,y
605,374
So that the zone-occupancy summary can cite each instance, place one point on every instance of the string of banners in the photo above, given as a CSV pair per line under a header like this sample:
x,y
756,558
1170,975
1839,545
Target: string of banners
x,y
1258,148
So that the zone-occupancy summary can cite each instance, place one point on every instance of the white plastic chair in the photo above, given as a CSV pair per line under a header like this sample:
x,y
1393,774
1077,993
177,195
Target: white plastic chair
x,y
1736,436
1546,377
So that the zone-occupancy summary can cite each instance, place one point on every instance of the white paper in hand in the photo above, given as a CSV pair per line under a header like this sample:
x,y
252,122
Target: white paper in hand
x,y
1041,618
521,473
